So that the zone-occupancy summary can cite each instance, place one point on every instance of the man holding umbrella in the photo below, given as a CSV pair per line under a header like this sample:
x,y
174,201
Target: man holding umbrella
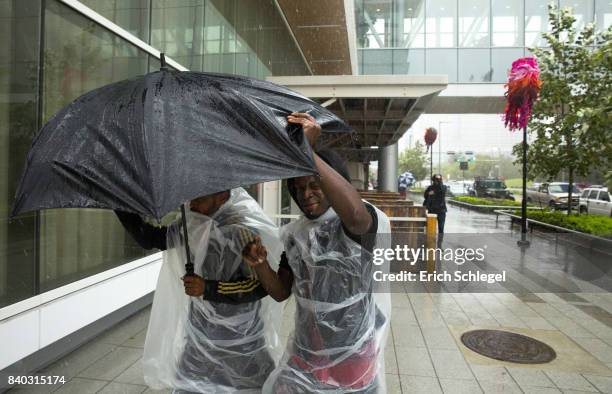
x,y
146,145
341,318
198,344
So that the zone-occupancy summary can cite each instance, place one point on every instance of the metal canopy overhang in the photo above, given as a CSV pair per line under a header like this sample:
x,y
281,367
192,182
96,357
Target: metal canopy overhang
x,y
380,108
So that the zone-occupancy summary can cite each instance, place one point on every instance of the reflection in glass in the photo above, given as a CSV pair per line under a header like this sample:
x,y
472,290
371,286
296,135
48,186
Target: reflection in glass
x,y
474,66
374,23
81,56
582,10
442,61
408,61
501,62
536,22
19,51
377,61
212,35
603,14
410,15
474,23
507,23
440,31
131,15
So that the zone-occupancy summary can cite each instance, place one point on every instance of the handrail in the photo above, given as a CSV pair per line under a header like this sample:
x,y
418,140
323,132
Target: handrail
x,y
467,204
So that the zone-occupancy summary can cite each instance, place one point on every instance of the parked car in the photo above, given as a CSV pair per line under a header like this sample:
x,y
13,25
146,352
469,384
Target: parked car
x,y
490,187
553,195
596,201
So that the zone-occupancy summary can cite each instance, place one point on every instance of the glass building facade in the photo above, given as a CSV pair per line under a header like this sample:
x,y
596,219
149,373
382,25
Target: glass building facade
x,y
50,54
471,41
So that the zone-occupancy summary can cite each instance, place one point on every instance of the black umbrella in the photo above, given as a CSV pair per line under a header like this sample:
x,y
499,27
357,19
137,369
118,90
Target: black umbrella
x,y
150,143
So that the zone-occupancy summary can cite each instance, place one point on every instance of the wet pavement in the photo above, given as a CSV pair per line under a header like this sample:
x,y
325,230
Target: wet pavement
x,y
556,291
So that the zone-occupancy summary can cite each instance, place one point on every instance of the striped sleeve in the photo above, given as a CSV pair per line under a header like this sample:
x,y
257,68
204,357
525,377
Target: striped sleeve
x,y
240,291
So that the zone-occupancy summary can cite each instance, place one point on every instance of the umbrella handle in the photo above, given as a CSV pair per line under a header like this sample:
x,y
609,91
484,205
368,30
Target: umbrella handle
x,y
189,266
162,62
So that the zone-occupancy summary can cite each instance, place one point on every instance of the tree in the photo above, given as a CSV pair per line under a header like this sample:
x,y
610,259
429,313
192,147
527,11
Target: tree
x,y
570,126
414,160
485,165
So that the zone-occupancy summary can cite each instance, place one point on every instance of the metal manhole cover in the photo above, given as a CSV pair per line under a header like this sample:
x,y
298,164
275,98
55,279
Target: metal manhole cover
x,y
508,346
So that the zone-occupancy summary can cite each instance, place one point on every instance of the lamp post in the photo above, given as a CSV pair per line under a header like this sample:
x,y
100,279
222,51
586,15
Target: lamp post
x,y
522,90
523,241
430,137
440,145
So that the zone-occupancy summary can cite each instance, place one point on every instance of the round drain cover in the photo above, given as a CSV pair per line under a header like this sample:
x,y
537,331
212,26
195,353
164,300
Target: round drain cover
x,y
508,346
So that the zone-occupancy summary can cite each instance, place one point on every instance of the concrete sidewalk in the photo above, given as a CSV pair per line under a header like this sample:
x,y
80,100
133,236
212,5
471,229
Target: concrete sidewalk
x,y
423,352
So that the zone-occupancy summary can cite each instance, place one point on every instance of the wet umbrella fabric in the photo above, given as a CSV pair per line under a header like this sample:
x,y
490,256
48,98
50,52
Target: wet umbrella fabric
x,y
149,143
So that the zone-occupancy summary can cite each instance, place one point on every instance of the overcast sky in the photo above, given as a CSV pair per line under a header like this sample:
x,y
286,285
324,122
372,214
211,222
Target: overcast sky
x,y
461,132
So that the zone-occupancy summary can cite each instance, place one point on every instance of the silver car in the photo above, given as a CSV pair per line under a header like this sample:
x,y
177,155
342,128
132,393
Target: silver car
x,y
596,201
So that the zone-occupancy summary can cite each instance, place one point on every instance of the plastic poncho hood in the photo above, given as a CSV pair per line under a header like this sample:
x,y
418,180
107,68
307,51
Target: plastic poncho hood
x,y
200,346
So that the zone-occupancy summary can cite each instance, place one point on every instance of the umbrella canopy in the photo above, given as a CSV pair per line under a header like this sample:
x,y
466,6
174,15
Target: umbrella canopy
x,y
406,179
149,143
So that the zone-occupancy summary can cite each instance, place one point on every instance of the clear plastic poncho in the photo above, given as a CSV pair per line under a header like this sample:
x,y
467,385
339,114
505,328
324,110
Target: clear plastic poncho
x,y
342,315
193,345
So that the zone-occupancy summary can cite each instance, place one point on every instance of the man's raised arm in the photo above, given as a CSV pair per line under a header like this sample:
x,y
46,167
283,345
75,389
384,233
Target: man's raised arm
x,y
341,195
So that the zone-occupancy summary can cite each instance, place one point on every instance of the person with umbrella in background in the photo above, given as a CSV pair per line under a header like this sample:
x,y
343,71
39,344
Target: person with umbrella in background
x,y
435,201
404,181
342,316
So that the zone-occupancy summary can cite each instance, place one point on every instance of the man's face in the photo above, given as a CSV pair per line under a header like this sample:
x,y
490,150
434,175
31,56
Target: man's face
x,y
208,205
310,196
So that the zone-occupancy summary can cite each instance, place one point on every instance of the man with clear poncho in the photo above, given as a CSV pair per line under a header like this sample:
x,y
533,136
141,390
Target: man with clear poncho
x,y
224,337
342,318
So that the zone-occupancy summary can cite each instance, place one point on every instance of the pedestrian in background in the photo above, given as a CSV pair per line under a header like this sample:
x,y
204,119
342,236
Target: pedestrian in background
x,y
435,201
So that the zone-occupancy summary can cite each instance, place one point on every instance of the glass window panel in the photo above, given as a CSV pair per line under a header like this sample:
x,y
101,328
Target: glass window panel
x,y
603,14
409,61
374,24
582,10
177,28
131,15
501,62
507,23
410,15
80,56
440,30
206,35
442,61
19,59
474,65
377,61
474,23
536,22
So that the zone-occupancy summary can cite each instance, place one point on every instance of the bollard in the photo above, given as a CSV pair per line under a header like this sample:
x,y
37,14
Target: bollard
x,y
431,231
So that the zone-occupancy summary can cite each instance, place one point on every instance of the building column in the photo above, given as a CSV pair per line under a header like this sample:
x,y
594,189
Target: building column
x,y
387,168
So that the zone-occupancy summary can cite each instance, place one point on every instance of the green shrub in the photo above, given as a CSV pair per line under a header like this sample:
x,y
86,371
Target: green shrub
x,y
487,201
517,183
590,224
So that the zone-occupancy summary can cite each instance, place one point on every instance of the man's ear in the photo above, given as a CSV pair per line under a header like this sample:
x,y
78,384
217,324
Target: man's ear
x,y
224,196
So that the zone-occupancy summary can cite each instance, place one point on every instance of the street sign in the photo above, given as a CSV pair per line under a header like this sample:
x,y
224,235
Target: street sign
x,y
463,166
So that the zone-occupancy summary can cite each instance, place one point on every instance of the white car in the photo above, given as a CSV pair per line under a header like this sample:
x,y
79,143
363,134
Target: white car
x,y
596,201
